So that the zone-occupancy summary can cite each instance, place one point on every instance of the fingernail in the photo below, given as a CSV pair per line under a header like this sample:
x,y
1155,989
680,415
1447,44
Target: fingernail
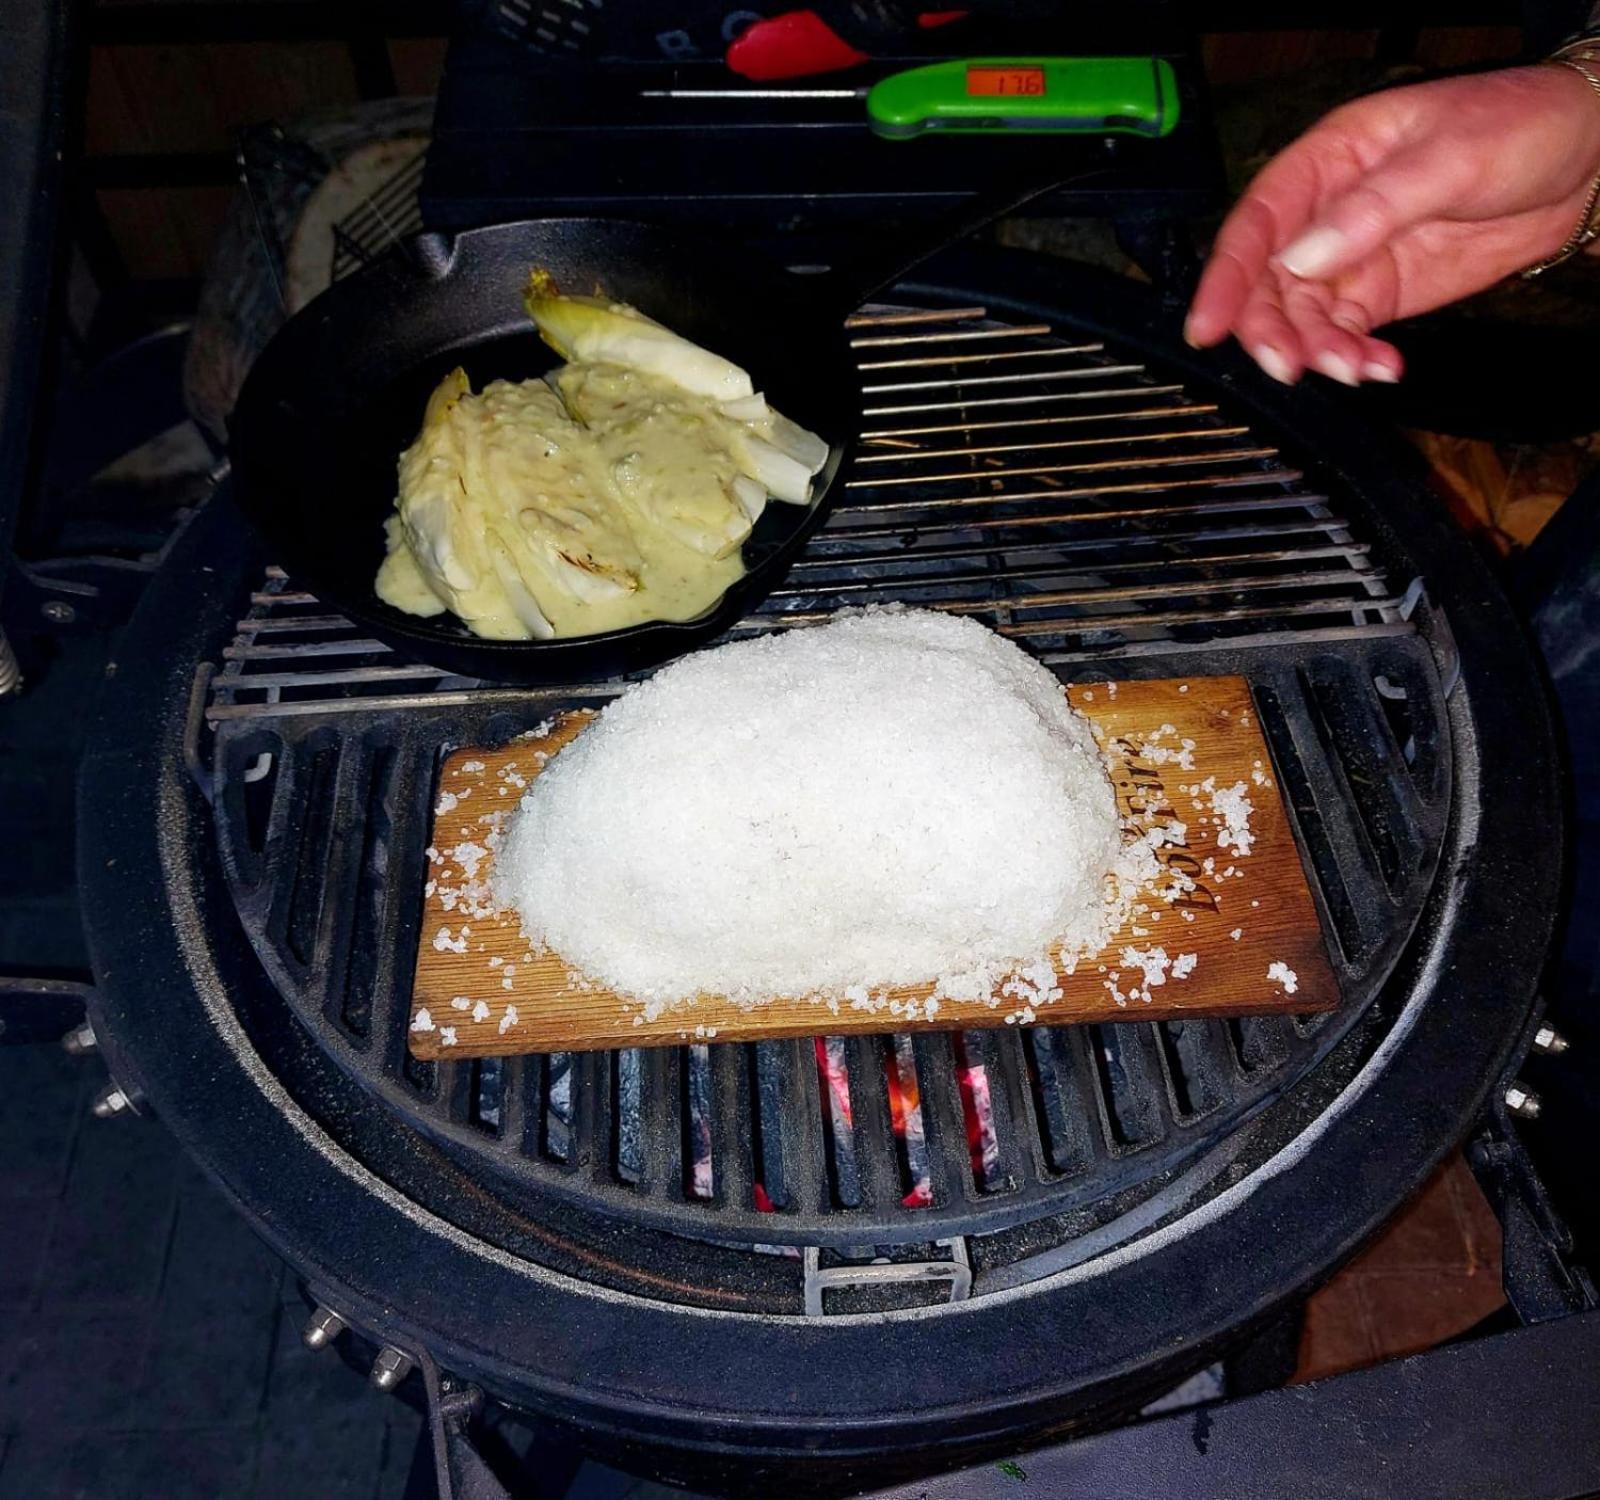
x,y
1336,367
1372,370
1312,253
1274,364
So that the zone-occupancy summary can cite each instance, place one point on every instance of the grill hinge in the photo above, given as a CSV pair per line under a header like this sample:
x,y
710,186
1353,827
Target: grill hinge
x,y
882,1271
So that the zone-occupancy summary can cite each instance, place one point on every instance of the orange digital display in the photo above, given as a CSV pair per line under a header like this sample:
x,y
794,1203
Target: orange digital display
x,y
1004,83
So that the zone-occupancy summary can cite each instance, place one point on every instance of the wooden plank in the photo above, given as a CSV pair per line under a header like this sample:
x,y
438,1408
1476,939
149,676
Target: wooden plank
x,y
486,992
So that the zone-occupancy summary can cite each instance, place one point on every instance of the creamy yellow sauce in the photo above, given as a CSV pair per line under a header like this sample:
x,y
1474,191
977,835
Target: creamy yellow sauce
x,y
527,523
667,452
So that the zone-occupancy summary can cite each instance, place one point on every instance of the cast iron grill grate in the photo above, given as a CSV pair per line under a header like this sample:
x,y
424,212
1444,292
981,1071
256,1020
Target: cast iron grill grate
x,y
1113,524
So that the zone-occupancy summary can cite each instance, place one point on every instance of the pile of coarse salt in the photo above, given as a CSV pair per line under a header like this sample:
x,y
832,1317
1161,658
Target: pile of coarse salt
x,y
892,798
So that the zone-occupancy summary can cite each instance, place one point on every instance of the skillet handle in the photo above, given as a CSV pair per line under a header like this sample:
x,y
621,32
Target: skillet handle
x,y
846,287
431,253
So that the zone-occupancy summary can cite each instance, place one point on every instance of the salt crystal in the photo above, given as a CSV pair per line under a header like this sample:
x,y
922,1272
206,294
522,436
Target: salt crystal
x,y
460,1002
1236,934
471,767
446,804
480,1011
1280,973
1183,965
1153,962
447,1035
509,1019
1233,809
422,1021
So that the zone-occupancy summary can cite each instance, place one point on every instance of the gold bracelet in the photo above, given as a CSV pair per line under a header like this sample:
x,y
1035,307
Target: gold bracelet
x,y
1588,229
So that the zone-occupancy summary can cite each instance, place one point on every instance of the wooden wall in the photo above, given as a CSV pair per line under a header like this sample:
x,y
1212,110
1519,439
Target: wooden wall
x,y
163,105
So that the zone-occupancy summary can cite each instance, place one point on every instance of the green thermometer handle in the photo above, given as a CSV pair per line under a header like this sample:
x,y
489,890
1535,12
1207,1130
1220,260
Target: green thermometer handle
x,y
1033,95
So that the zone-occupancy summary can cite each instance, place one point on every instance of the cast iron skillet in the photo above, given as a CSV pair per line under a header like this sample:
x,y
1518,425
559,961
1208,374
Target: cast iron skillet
x,y
339,392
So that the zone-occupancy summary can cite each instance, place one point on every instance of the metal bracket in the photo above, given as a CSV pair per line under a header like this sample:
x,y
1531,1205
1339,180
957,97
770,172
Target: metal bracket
x,y
1444,644
40,1010
458,1467
1542,1279
882,1271
193,722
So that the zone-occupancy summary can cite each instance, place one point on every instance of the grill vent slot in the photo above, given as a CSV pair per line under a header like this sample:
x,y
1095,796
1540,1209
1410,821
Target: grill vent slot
x,y
555,1116
1306,807
1059,1070
1196,1054
1354,733
1130,1078
628,1160
256,769
314,792
369,897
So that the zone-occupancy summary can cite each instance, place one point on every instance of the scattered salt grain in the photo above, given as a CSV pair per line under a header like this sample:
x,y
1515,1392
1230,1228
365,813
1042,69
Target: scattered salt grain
x,y
509,1019
480,1011
1281,973
471,767
1183,965
1152,962
446,804
1236,934
447,1035
460,1002
422,1021
894,797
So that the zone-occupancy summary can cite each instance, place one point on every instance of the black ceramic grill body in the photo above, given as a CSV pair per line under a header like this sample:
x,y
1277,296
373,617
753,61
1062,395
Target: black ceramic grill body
x,y
657,1331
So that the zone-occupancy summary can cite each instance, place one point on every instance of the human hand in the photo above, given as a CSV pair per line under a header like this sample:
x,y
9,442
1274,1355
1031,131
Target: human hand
x,y
1391,206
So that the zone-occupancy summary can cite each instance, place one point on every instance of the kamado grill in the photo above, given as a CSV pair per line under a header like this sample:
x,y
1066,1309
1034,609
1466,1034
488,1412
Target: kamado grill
x,y
831,1264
